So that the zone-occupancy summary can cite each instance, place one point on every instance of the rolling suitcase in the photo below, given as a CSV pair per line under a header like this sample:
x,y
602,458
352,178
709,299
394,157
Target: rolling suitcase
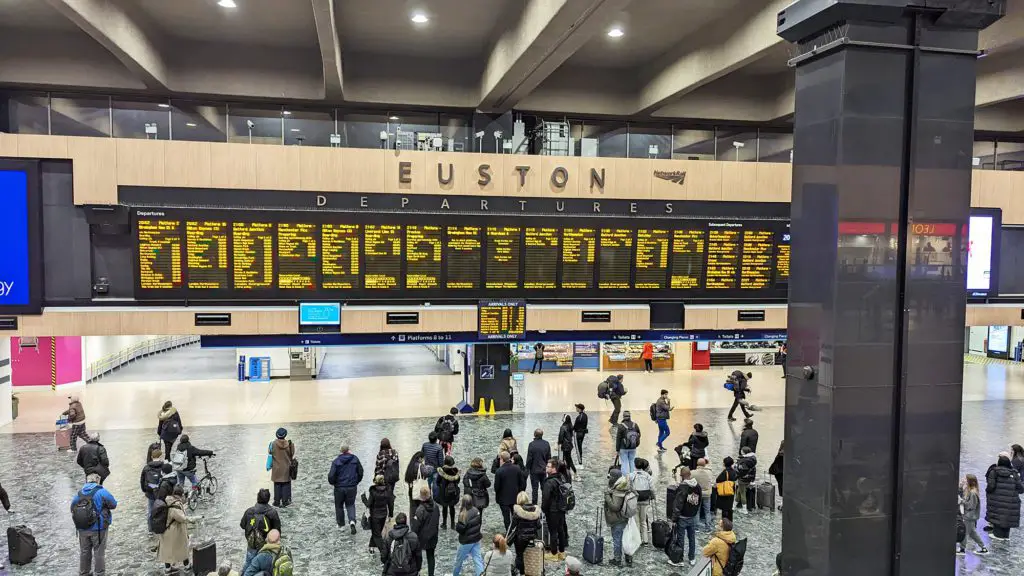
x,y
204,553
62,435
661,530
593,543
765,495
533,555
670,499
21,545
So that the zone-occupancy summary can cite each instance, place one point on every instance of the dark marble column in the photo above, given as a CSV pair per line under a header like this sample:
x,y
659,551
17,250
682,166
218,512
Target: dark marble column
x,y
498,386
883,138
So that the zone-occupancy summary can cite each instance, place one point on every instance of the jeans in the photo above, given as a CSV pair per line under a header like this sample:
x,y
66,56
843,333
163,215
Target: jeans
x,y
663,431
92,551
191,478
473,551
617,530
282,493
626,461
688,525
345,503
648,365
249,555
643,520
705,513
558,530
538,365
536,479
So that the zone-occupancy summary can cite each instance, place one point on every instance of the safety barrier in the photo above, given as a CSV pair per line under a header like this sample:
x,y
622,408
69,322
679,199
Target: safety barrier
x,y
111,362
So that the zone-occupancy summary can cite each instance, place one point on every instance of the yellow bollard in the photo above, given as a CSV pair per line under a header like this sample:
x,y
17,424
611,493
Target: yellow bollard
x,y
482,410
491,411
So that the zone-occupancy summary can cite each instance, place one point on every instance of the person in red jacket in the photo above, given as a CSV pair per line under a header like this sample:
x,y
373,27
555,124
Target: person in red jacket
x,y
648,356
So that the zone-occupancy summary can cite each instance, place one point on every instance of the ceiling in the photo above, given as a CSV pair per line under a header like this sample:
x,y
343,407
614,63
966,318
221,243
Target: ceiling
x,y
707,59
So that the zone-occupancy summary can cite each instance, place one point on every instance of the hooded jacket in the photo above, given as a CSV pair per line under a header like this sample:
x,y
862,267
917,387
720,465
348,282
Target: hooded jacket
x,y
102,500
267,511
702,474
92,457
263,562
191,453
509,481
425,522
282,452
469,529
746,467
525,526
346,471
662,408
448,490
687,500
548,489
1002,490
566,438
167,483
718,549
614,498
476,483
379,501
75,412
398,532
164,429
698,444
174,540
748,438
643,484
155,466
971,502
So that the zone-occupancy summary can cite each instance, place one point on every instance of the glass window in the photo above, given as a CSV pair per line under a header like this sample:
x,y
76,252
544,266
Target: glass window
x,y
28,114
198,121
360,130
487,124
552,137
415,131
256,125
693,144
984,155
456,131
651,141
79,115
774,147
736,145
1009,156
144,120
604,139
308,127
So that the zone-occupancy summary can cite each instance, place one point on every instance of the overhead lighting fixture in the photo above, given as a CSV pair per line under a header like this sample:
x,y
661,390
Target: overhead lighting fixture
x,y
296,129
420,18
162,105
227,4
190,124
393,118
286,113
616,32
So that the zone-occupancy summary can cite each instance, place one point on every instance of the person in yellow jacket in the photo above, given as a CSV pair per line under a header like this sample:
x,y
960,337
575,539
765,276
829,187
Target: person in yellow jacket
x,y
719,546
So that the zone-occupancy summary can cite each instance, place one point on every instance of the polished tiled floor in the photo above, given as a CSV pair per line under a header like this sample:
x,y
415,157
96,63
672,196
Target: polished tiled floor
x,y
42,481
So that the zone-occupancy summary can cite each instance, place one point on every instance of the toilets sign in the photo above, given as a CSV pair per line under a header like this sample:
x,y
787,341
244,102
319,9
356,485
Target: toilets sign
x,y
14,239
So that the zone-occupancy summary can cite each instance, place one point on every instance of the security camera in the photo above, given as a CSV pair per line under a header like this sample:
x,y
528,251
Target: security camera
x,y
250,124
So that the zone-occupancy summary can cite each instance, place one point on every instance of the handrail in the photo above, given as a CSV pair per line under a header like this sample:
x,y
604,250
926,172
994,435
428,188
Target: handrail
x,y
113,361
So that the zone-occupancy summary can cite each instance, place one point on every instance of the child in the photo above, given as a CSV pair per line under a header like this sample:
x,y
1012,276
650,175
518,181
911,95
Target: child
x,y
970,503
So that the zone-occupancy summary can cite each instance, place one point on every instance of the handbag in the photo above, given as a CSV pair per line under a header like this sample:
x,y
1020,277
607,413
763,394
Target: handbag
x,y
725,488
270,456
419,484
293,469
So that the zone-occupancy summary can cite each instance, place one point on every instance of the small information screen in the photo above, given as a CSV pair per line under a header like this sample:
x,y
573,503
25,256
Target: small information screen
x,y
501,319
319,317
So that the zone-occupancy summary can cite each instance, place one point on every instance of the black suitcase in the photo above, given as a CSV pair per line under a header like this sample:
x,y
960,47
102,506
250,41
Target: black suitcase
x,y
670,499
661,530
21,545
204,553
593,543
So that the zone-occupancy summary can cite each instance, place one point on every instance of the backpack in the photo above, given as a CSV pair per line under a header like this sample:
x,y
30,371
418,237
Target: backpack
x,y
282,563
179,459
631,439
257,530
83,513
158,517
630,504
151,476
173,427
729,386
447,432
602,390
620,389
451,491
391,471
654,412
565,500
400,561
734,564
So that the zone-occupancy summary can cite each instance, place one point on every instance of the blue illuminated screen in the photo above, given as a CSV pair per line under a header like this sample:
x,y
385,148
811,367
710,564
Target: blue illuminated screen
x,y
319,313
14,263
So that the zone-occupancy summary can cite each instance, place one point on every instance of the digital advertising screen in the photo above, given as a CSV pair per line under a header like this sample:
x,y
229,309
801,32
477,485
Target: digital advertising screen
x,y
999,339
982,252
20,263
319,317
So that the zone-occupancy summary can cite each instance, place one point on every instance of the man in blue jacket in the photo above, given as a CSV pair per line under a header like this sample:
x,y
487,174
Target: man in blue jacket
x,y
345,475
92,518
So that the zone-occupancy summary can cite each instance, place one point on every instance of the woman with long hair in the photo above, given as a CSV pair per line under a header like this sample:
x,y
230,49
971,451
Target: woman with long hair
x,y
380,503
476,483
498,562
468,528
414,471
1017,459
565,443
970,503
387,464
448,491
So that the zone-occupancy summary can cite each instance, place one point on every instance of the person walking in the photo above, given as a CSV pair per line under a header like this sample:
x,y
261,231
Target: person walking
x,y
617,514
282,453
168,426
740,388
685,508
508,443
662,411
698,444
425,522
76,417
416,470
509,482
345,475
433,456
746,468
647,354
92,457
387,465
565,444
579,427
174,541
188,454
447,428
748,438
970,503
777,468
643,484
627,440
538,358
525,527
537,455
720,546
448,491
783,353
401,550
263,562
1017,459
499,560
476,484
702,474
91,513
1002,495
468,528
149,479
380,504
616,390
554,510
257,522
725,487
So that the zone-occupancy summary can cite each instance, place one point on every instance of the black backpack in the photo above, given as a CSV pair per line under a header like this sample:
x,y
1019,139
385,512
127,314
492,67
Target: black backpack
x,y
158,517
401,559
83,513
451,491
654,412
631,437
447,433
734,564
391,471
565,500
152,478
257,530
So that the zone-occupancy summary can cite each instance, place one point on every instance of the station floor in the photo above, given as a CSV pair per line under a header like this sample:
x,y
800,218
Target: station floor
x,y
237,420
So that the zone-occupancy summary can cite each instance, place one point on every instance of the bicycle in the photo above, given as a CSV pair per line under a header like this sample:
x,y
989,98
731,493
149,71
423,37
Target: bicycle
x,y
206,485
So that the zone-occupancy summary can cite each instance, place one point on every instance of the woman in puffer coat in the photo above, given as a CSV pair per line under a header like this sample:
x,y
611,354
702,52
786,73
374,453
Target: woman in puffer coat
x,y
477,483
1003,489
525,527
448,491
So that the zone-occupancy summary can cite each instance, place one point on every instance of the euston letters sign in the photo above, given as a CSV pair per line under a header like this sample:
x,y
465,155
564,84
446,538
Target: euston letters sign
x,y
14,238
559,176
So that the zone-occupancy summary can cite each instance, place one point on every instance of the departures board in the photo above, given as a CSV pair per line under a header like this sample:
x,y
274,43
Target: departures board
x,y
224,254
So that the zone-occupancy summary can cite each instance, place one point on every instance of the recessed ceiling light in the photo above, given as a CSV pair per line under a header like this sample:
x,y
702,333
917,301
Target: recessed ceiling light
x,y
393,118
164,105
296,129
286,113
227,4
616,32
190,124
420,18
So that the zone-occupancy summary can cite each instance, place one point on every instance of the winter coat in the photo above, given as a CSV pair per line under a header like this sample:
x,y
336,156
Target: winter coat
x,y
448,477
1018,465
972,506
509,481
725,502
433,454
75,413
614,498
396,532
718,548
425,524
687,500
662,408
499,564
148,490
648,351
702,474
510,445
383,458
565,439
777,467
102,500
282,451
92,457
1002,490
537,455
174,540
346,471
439,428
747,468
167,483
748,439
469,529
698,444
268,512
191,453
263,562
548,489
579,425
379,501
740,385
476,484
525,526
165,432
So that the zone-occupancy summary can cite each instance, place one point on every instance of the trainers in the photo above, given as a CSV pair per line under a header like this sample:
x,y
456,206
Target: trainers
x,y
982,550
693,561
680,563
994,537
352,527
961,551
731,419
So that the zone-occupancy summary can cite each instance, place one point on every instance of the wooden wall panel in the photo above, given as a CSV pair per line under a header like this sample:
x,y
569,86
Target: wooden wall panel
x,y
638,318
595,191
145,322
976,176
703,180
667,188
321,169
441,320
364,170
471,175
93,324
774,182
278,322
187,164
233,165
511,177
94,169
638,175
572,167
701,319
450,163
994,189
42,146
355,321
553,318
739,181
8,145
140,162
418,171
277,167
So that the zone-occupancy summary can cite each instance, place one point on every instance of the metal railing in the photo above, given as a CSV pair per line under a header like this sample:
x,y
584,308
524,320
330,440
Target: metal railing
x,y
111,362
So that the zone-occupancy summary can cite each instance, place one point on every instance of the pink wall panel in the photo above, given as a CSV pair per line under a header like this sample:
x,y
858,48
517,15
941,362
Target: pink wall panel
x,y
31,366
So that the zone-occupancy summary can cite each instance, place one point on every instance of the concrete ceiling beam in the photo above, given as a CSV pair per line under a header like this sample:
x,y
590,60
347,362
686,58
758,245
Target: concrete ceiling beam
x,y
122,36
546,35
330,48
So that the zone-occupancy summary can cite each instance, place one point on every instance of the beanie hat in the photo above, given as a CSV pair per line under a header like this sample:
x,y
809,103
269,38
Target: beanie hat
x,y
281,432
